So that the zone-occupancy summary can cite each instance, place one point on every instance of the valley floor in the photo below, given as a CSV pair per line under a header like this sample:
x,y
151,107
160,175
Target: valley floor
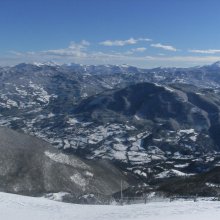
x,y
24,208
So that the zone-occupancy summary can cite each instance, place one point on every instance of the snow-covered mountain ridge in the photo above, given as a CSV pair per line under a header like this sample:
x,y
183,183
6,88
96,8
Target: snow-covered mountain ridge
x,y
149,122
31,166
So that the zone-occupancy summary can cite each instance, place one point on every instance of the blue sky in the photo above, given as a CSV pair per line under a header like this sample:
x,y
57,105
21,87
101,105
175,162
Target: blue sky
x,y
145,33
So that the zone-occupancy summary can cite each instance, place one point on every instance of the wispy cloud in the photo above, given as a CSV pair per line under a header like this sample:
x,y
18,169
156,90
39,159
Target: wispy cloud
x,y
164,47
83,52
74,49
209,51
121,43
135,50
16,53
139,49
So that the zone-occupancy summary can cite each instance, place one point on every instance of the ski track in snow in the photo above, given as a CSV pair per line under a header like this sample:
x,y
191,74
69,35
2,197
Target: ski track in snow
x,y
25,208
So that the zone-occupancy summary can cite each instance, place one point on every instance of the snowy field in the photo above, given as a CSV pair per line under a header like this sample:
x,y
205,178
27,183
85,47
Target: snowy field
x,y
25,208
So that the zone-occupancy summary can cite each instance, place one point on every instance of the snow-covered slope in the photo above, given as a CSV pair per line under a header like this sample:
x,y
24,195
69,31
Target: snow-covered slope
x,y
147,127
141,120
30,166
24,208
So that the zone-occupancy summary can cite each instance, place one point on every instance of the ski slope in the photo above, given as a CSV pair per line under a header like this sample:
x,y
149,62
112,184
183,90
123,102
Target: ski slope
x,y
25,208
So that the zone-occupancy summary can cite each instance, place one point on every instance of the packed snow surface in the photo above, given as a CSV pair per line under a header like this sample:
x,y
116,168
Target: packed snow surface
x,y
24,208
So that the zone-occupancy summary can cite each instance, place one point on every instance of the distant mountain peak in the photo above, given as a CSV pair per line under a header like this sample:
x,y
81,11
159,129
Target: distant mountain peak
x,y
217,64
48,63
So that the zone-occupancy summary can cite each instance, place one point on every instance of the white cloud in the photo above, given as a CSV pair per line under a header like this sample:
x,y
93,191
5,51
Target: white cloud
x,y
74,49
139,49
81,53
164,47
130,41
119,42
85,42
16,53
134,50
209,51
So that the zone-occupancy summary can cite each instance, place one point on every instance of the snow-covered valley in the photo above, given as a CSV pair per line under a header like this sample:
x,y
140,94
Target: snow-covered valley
x,y
25,208
143,122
